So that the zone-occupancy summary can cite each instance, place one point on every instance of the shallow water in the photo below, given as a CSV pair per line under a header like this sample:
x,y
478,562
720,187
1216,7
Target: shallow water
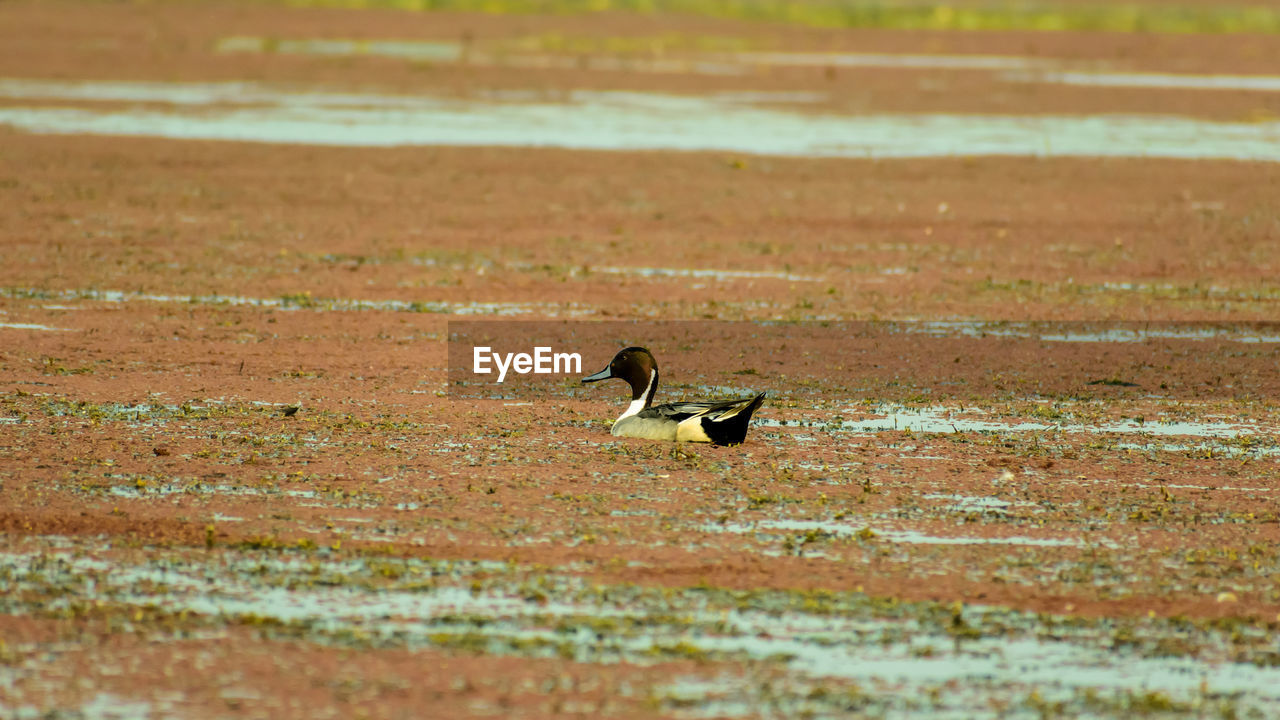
x,y
1121,333
1136,335
888,655
30,326
706,273
608,121
949,420
1255,83
304,302
910,537
197,488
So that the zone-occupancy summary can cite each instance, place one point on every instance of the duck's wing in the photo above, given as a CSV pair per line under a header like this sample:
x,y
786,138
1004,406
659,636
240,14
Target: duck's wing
x,y
677,411
714,410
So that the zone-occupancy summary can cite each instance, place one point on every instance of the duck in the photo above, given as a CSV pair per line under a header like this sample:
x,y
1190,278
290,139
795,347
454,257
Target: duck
x,y
719,422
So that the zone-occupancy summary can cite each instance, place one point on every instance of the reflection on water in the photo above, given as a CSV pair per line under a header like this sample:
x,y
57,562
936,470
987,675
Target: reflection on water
x,y
608,121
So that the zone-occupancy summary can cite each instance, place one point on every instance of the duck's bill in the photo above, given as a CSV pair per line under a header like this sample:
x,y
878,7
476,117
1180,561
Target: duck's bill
x,y
604,374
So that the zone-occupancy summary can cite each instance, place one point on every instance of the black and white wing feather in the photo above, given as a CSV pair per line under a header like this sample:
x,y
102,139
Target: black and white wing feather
x,y
681,411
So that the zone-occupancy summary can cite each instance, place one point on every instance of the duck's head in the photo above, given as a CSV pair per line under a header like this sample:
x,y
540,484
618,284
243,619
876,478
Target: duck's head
x,y
635,365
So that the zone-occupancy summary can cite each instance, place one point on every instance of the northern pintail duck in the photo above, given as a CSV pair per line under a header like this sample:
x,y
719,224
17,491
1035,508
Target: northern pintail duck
x,y
722,422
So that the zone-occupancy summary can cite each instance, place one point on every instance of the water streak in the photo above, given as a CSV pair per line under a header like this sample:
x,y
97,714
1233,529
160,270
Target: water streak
x,y
307,302
610,121
949,420
31,326
1252,83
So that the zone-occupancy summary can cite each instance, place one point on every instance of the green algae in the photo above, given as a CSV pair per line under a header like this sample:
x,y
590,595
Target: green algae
x,y
883,14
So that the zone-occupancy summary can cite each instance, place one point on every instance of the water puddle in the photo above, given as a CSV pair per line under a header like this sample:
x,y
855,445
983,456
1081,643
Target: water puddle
x,y
891,652
1174,486
979,504
31,326
951,420
1257,333
677,273
1135,335
910,537
724,275
1254,83
197,488
917,538
1202,449
306,302
976,672
109,706
600,120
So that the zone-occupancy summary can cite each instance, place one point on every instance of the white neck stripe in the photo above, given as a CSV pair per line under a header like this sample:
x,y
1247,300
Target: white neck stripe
x,y
639,403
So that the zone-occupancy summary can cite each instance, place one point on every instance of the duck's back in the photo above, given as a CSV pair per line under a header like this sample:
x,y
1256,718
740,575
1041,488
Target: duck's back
x,y
722,422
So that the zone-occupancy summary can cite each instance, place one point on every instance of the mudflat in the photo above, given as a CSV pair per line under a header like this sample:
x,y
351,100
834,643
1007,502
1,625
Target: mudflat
x,y
1018,456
